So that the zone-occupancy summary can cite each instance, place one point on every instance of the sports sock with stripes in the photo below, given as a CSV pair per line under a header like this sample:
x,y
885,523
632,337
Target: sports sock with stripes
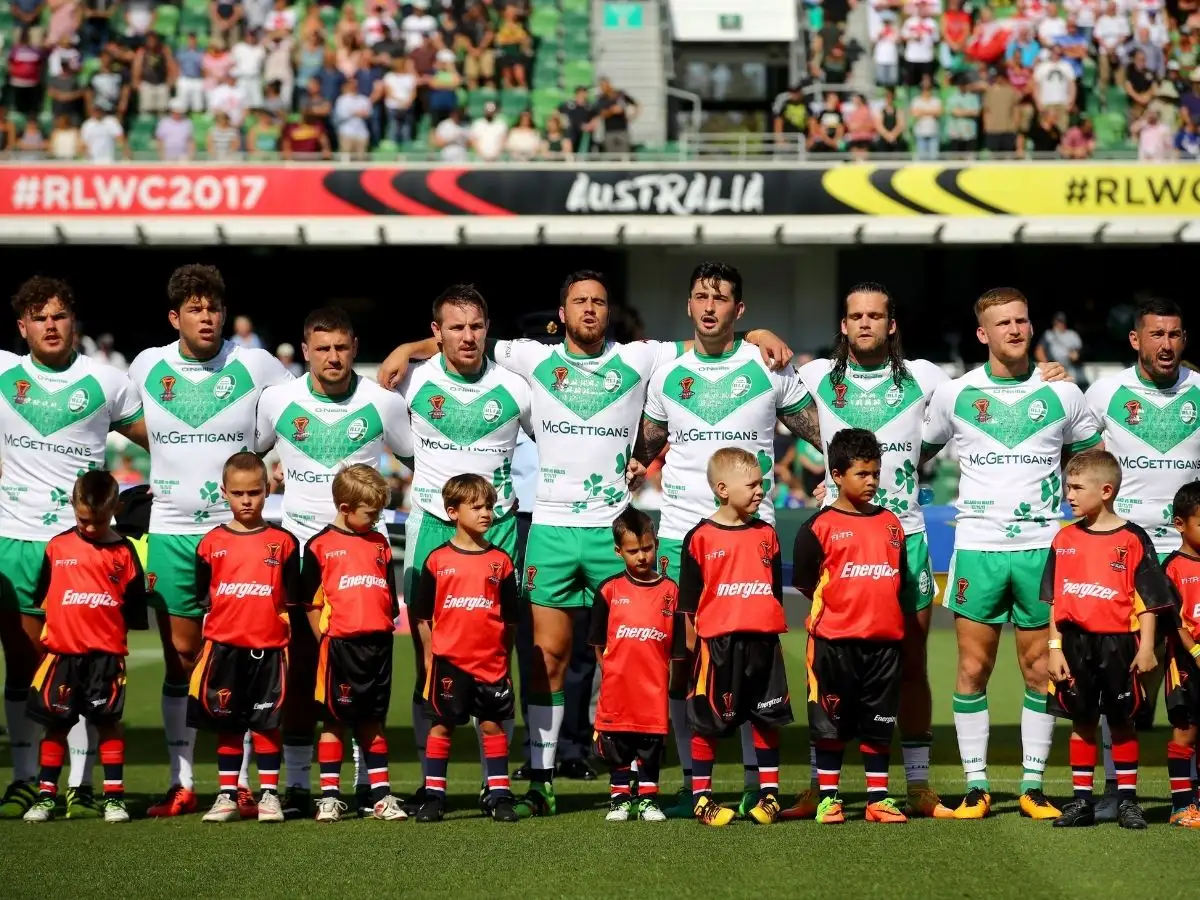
x,y
82,742
546,712
829,766
876,757
704,754
766,755
229,762
329,757
22,734
509,726
376,756
297,760
112,758
181,740
247,757
267,753
915,752
1037,733
1083,764
1179,773
683,737
647,775
495,757
618,783
437,761
973,726
1125,756
54,751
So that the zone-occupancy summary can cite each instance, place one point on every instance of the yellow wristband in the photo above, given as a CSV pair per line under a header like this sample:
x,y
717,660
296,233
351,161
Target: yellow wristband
x,y
1054,644
1195,651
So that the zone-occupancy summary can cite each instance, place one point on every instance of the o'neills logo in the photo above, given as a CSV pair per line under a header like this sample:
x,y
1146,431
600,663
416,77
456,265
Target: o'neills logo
x,y
1083,589
167,383
669,193
22,395
744,589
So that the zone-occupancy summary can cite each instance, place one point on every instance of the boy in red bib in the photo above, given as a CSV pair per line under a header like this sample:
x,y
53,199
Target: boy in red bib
x,y
1183,651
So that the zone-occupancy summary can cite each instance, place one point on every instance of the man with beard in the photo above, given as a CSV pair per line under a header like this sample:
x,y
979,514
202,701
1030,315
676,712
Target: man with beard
x,y
1150,414
1013,433
587,395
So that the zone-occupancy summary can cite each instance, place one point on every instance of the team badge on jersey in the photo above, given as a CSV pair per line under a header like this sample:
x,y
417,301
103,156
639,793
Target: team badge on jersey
x,y
224,387
300,429
832,704
447,688
1133,410
961,591
436,403
118,571
344,694
664,563
167,383
685,388
530,574
1037,411
668,609
1187,413
78,401
494,578
612,380
839,395
560,378
224,695
273,551
894,396
1120,554
765,549
357,429
491,411
894,535
22,395
727,699
62,702
740,387
981,410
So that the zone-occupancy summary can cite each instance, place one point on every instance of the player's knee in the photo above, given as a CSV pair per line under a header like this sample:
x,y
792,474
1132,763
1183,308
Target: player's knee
x,y
549,669
974,670
1033,667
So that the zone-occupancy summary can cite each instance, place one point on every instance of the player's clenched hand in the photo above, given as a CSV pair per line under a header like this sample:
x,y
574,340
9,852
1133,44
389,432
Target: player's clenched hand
x,y
635,475
818,493
1145,660
1052,371
1056,666
775,353
392,369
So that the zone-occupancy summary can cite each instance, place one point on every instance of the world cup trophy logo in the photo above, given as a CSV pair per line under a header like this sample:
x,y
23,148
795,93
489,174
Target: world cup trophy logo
x,y
224,695
273,551
685,388
343,694
727,699
981,410
560,378
447,688
22,395
300,429
960,595
167,383
1133,410
839,396
435,407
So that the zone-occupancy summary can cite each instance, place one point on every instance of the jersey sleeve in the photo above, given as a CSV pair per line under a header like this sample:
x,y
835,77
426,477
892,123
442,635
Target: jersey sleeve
x,y
1097,398
792,395
291,576
124,403
510,610
777,569
1154,590
1082,430
134,607
1048,576
929,377
393,589
655,408
273,371
525,402
665,352
203,576
807,558
397,430
905,577
264,422
137,372
422,603
598,624
679,648
691,579
520,356
311,596
937,430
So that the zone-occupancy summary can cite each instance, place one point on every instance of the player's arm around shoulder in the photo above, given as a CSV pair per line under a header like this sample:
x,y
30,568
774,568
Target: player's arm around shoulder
x,y
1081,429
938,428
520,356
126,416
270,404
266,367
794,406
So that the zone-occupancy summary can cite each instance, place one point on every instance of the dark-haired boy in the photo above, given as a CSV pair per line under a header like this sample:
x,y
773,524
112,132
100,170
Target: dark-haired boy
x,y
60,407
1183,652
199,393
850,560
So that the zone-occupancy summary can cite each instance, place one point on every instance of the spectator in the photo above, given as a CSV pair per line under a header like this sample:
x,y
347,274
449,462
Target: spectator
x,y
1166,104
314,104
377,28
963,107
1075,50
451,138
443,86
399,94
1044,135
890,125
1023,48
108,87
25,64
887,52
65,53
278,70
350,115
1110,33
189,85
474,42
579,117
1062,345
488,134
280,21
1156,61
65,18
217,64
125,475
615,109
1084,14
106,353
96,27
31,144
956,31
1189,104
1054,86
286,354
174,136
523,141
244,335
154,72
556,144
348,54
369,81
249,57
347,24
139,19
1051,27
311,58
27,13
1187,141
226,98
1139,85
225,18
330,77
308,137
919,33
262,140
102,135
513,47
64,139
8,134
790,116
224,139
418,26
66,95
926,111
860,127
1154,139
826,129
1079,142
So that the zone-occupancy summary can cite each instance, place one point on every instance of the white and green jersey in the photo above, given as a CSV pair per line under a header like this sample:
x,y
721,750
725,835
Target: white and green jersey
x,y
463,425
317,436
55,424
710,402
1155,435
1010,435
198,414
586,410
871,399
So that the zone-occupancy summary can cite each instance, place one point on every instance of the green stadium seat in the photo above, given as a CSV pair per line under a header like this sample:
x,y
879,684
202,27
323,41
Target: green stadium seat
x,y
386,151
544,22
329,17
166,20
17,119
513,100
1110,130
201,123
577,72
575,22
576,6
577,45
477,98
545,102
90,66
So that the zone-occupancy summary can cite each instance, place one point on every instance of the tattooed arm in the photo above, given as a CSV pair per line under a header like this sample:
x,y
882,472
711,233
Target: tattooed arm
x,y
804,424
652,437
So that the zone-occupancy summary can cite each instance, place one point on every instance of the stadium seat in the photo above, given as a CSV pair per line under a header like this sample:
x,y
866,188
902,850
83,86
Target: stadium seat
x,y
513,100
544,22
545,102
386,151
578,72
166,20
477,98
576,6
577,45
576,22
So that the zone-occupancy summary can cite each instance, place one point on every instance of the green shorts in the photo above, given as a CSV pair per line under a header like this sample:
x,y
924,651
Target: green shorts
x,y
20,569
998,586
919,589
171,574
424,533
564,566
670,553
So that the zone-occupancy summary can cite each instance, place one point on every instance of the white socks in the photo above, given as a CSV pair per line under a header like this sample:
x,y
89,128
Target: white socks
x,y
916,761
24,735
1037,733
247,755
82,742
181,740
545,723
297,764
973,725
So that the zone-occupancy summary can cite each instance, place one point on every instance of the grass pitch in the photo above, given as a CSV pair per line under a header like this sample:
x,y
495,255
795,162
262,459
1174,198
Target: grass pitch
x,y
578,854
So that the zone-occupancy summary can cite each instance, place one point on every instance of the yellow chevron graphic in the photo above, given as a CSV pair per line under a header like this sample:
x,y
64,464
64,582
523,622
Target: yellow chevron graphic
x,y
850,184
919,184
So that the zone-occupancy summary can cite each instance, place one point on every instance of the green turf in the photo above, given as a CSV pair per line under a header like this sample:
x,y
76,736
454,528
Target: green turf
x,y
579,854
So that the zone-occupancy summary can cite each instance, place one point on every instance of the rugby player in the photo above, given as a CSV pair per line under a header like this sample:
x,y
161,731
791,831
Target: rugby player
x,y
319,424
199,393
1013,433
1150,415
587,396
718,394
58,409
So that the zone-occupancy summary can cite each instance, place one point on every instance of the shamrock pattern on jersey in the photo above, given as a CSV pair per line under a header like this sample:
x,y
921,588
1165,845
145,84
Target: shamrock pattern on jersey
x,y
1051,487
1161,427
51,411
327,444
464,423
586,393
594,489
713,401
195,402
1010,424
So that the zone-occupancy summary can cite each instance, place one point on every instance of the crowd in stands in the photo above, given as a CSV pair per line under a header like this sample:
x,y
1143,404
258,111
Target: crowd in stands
x,y
226,79
1028,77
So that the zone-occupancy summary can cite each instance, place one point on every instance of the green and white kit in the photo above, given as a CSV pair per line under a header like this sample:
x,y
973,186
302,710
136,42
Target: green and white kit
x,y
1155,435
870,398
317,436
